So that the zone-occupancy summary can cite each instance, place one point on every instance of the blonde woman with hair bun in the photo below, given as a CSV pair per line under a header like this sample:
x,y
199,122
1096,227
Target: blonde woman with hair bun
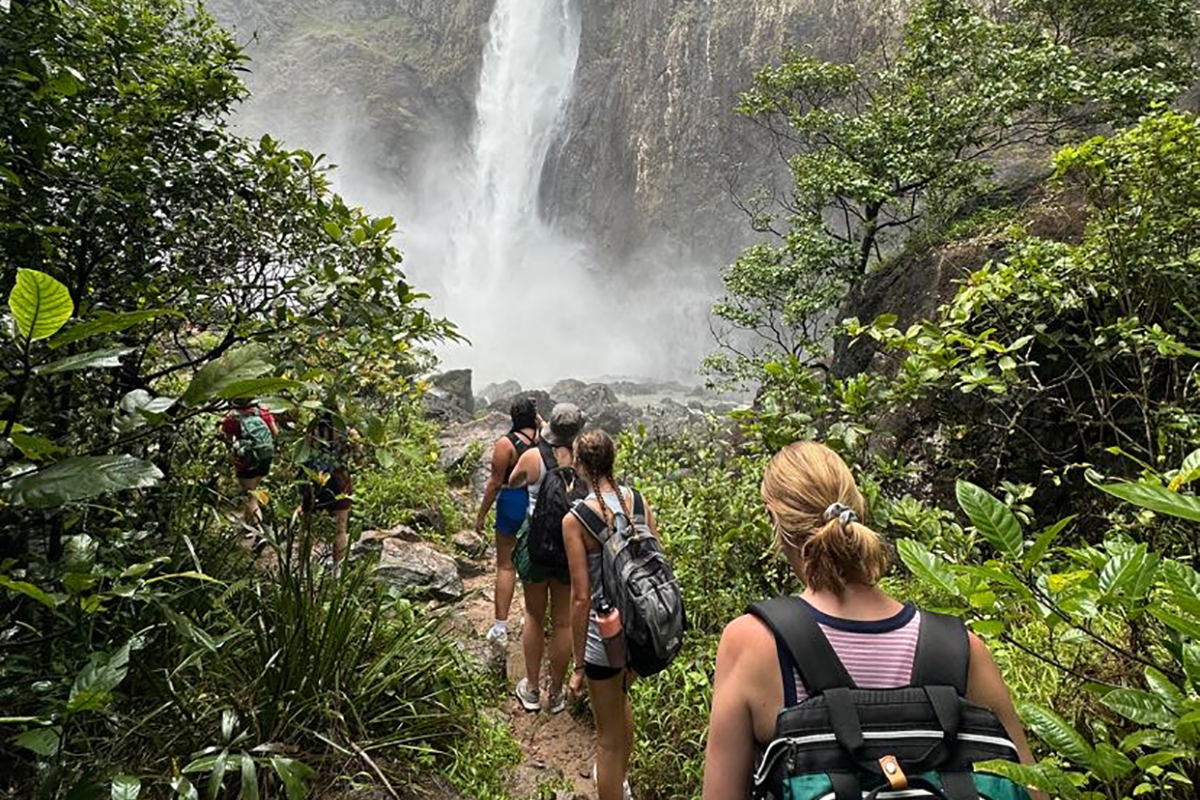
x,y
819,518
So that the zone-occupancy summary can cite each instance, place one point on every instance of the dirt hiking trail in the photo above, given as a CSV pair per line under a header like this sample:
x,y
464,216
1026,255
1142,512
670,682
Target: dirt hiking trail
x,y
556,748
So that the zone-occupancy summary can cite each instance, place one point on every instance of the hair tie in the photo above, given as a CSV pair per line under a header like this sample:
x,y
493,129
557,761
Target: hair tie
x,y
843,513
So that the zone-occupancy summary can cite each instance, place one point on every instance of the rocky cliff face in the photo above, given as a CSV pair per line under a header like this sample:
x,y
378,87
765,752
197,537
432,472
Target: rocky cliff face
x,y
651,144
371,82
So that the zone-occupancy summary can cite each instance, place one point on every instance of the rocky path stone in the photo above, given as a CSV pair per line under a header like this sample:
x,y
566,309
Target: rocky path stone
x,y
556,748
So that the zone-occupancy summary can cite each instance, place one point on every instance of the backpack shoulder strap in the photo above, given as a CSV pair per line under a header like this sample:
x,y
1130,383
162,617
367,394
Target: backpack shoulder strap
x,y
639,505
815,659
549,459
592,521
943,652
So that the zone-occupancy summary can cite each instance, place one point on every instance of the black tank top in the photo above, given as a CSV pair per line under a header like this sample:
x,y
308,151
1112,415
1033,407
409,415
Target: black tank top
x,y
520,445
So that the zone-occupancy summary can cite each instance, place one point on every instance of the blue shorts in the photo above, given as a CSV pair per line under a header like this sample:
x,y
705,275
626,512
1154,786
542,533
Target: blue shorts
x,y
511,505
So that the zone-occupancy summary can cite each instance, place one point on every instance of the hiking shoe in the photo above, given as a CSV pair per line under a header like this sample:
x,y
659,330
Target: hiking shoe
x,y
530,698
558,701
498,634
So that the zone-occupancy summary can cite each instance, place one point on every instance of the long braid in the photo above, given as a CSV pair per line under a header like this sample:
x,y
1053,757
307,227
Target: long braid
x,y
596,453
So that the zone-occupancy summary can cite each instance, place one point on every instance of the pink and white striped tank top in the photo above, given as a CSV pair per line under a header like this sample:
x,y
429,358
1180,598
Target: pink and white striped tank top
x,y
877,654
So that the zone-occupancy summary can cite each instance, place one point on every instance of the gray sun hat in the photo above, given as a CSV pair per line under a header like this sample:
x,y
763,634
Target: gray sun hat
x,y
566,421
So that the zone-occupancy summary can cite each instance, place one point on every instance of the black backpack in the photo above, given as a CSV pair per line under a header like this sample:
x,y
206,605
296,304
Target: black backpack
x,y
639,581
561,487
845,743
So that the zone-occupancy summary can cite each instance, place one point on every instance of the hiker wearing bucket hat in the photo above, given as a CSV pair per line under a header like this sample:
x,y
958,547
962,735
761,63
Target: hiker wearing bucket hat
x,y
541,470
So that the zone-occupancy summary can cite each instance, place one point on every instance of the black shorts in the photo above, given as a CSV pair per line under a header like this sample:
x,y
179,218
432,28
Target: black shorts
x,y
596,672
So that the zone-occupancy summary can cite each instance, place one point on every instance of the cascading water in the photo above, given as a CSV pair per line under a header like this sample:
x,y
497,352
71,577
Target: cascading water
x,y
530,299
528,69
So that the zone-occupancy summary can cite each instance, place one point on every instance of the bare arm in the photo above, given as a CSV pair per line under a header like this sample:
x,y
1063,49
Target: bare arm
x,y
986,687
527,470
581,589
729,757
501,454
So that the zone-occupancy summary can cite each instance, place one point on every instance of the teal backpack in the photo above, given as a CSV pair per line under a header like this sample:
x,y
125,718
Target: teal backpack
x,y
846,743
255,445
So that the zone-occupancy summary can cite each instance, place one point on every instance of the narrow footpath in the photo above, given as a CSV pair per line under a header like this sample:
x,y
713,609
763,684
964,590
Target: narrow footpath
x,y
557,748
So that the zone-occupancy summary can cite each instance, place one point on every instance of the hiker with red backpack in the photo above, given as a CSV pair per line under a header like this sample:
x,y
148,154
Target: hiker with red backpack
x,y
251,431
546,474
844,692
627,615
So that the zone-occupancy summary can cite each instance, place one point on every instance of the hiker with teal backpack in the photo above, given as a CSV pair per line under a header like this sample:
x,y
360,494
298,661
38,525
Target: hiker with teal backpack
x,y
627,615
251,430
843,692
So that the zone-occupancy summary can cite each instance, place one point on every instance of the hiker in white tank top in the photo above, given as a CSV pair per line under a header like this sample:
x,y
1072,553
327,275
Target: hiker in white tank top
x,y
539,587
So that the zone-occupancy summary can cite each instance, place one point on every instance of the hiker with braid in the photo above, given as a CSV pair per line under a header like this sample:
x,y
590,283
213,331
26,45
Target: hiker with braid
x,y
251,431
766,658
595,457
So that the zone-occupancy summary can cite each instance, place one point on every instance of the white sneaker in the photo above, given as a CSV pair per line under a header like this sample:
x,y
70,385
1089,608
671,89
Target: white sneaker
x,y
558,701
498,634
530,699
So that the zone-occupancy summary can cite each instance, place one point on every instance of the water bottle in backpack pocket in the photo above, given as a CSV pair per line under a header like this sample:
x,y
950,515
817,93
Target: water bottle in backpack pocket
x,y
638,580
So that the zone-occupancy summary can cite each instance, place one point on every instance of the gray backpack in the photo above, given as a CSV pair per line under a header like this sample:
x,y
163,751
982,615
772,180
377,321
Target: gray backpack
x,y
638,579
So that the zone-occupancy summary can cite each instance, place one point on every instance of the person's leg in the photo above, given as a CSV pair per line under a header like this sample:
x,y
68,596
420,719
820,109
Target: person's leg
x,y
533,632
610,707
560,638
251,514
341,533
506,575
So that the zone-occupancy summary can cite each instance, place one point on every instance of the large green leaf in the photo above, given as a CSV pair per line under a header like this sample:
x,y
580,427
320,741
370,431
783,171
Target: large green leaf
x,y
1185,625
138,407
927,566
217,777
94,685
1045,776
126,787
30,591
107,323
1110,763
1056,732
1165,689
294,775
255,387
95,359
249,789
40,304
994,520
1141,707
240,364
1156,498
1044,540
183,789
1131,574
35,448
43,741
82,478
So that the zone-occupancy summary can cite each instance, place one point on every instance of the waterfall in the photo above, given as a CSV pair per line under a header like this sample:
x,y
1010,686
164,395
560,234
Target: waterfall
x,y
532,300
528,68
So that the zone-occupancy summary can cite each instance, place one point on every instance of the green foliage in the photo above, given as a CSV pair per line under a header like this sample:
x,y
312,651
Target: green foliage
x,y
1122,602
909,137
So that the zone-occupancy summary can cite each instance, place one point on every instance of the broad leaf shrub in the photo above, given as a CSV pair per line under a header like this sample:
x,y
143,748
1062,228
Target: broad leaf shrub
x,y
156,266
